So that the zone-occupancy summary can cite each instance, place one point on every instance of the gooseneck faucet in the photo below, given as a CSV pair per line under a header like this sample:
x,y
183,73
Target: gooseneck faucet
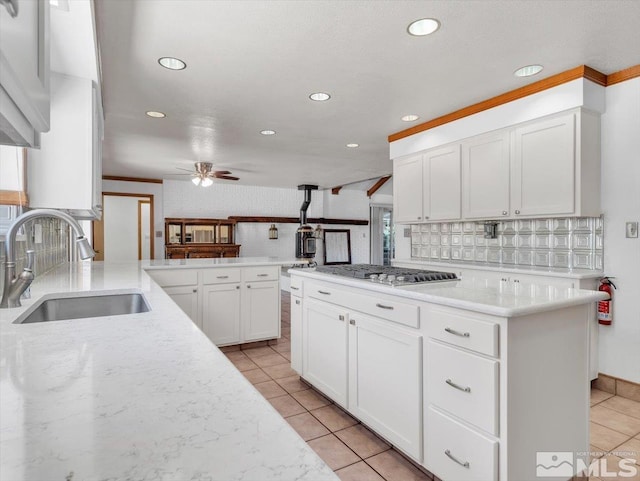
x,y
15,286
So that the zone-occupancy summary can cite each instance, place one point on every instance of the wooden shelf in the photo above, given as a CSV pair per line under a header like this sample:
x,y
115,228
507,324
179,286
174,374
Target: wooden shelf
x,y
296,220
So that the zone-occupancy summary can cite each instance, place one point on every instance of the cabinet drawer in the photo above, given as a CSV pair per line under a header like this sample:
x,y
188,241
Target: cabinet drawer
x,y
220,275
267,273
463,384
174,277
454,451
463,330
385,307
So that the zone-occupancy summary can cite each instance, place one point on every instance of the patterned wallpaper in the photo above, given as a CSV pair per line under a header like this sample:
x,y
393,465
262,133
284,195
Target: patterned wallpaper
x,y
562,242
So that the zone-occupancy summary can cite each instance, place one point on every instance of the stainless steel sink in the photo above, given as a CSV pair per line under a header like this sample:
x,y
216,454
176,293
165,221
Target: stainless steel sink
x,y
60,307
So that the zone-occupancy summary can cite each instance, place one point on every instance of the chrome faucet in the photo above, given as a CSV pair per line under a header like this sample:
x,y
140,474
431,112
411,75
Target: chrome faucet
x,y
15,286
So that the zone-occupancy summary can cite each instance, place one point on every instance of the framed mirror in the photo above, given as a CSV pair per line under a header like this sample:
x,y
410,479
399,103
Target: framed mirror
x,y
337,246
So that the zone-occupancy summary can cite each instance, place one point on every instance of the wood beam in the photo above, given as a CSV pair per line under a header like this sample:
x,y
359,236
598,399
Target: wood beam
x,y
296,220
131,179
336,190
374,188
14,197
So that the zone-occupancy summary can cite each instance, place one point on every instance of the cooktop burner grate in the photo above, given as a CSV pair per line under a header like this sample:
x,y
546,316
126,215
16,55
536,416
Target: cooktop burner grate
x,y
387,274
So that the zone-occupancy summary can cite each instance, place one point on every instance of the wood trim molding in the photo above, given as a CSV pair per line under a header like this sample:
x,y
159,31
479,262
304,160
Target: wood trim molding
x,y
296,220
622,75
336,190
374,188
14,197
132,179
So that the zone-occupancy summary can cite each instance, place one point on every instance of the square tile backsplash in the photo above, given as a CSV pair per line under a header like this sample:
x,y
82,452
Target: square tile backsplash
x,y
571,243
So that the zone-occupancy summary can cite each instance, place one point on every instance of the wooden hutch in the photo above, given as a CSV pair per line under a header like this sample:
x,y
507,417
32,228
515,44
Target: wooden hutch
x,y
199,238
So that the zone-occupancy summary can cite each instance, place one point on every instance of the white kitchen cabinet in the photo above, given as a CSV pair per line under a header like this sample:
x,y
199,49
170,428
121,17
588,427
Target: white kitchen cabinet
x,y
66,173
296,332
187,299
407,189
24,72
261,310
221,313
441,183
325,348
485,176
385,380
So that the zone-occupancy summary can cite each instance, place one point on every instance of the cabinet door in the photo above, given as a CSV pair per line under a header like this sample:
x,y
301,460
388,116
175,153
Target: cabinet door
x,y
296,334
324,362
221,313
187,299
24,72
385,380
407,189
543,168
261,304
441,183
485,176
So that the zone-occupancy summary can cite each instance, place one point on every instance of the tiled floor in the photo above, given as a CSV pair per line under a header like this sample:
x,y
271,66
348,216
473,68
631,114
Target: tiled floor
x,y
357,454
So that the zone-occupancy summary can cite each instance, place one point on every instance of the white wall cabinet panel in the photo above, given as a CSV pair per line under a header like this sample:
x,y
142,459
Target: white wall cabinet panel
x,y
485,176
187,299
441,184
261,303
24,72
221,313
385,380
296,333
407,190
325,348
66,173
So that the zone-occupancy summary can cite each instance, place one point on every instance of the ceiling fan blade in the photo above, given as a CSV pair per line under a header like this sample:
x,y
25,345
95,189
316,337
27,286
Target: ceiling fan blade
x,y
221,172
227,177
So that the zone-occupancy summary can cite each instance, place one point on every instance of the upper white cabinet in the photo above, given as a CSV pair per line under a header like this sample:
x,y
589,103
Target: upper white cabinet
x,y
427,187
66,173
24,71
543,168
485,176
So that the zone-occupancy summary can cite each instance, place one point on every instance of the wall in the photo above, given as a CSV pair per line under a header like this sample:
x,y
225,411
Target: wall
x,y
121,228
144,188
620,342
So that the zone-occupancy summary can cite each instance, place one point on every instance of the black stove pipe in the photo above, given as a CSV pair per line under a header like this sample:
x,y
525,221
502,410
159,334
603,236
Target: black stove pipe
x,y
307,200
305,240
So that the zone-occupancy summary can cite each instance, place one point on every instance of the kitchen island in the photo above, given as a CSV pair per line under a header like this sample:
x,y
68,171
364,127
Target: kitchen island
x,y
133,397
469,381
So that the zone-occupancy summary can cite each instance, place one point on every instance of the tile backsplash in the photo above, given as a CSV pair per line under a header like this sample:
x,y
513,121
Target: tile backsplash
x,y
52,251
571,243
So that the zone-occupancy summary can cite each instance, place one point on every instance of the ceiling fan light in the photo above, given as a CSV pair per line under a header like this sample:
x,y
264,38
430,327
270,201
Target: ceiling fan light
x,y
196,180
206,182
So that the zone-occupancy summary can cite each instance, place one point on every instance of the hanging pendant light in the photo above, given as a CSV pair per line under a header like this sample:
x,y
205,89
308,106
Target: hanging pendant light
x,y
317,232
273,232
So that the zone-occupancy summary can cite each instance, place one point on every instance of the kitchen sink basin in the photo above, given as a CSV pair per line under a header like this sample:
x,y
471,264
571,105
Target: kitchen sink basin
x,y
60,307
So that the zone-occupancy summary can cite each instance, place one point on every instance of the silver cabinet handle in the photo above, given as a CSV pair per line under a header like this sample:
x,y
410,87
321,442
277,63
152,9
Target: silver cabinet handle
x,y
503,279
195,290
517,211
295,288
248,286
453,458
297,302
11,6
516,280
457,386
222,277
341,317
504,212
263,275
324,292
352,322
419,218
456,333
382,306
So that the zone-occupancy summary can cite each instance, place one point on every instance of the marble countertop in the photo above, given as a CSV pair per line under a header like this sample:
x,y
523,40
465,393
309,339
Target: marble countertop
x,y
532,270
221,262
494,298
133,397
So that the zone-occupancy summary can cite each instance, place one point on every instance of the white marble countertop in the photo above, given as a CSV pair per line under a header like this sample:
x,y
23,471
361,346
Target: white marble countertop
x,y
133,397
532,270
221,262
493,298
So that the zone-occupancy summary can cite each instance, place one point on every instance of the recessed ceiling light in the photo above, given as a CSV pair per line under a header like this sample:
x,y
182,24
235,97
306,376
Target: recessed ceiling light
x,y
319,96
268,132
172,63
422,27
410,118
353,146
528,71
156,115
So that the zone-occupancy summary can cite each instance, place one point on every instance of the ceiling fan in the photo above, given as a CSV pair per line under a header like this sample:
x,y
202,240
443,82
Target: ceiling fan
x,y
204,174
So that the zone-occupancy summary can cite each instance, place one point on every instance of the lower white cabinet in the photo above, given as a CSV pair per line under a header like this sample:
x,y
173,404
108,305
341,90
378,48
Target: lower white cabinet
x,y
324,341
261,306
187,299
385,380
296,333
221,313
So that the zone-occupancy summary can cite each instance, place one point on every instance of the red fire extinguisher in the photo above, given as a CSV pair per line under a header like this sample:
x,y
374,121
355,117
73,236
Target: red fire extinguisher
x,y
605,308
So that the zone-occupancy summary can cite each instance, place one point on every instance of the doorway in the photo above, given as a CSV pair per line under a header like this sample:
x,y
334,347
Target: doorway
x,y
382,244
125,231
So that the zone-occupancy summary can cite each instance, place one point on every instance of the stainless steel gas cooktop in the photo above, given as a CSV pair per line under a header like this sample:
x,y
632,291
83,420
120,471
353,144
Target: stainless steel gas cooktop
x,y
394,276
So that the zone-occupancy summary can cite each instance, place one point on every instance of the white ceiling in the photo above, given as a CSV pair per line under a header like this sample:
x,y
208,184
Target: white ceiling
x,y
252,65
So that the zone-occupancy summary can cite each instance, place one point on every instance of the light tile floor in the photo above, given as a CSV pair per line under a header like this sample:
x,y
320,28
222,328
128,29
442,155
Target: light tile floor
x,y
356,454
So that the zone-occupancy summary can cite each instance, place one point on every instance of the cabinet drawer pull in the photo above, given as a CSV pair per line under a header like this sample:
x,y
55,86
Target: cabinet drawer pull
x,y
341,317
222,277
456,333
297,302
504,212
352,322
457,386
382,306
295,288
324,292
248,287
263,275
453,458
237,287
195,290
517,211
